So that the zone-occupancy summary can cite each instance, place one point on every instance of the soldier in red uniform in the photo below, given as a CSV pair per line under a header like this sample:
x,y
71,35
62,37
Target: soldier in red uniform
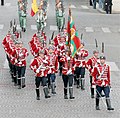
x,y
80,67
101,79
53,67
19,56
67,73
91,63
40,66
60,49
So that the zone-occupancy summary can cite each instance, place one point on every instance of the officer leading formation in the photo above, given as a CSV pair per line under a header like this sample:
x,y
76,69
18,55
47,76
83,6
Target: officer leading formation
x,y
56,57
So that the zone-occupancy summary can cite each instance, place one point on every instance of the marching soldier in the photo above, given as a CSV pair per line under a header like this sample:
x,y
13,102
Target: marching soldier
x,y
67,73
40,20
91,63
20,4
9,46
23,19
101,79
53,68
60,17
80,67
19,56
40,66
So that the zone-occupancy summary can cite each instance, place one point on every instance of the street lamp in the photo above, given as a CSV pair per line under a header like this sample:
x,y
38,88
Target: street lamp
x,y
2,2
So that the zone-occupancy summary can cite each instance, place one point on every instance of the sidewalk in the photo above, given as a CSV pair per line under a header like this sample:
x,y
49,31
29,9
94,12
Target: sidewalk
x,y
115,7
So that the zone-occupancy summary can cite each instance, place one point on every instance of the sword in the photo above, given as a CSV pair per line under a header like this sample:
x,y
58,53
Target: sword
x,y
101,97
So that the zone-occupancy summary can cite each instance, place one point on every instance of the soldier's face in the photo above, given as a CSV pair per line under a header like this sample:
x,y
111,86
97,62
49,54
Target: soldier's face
x,y
41,55
102,61
96,55
50,51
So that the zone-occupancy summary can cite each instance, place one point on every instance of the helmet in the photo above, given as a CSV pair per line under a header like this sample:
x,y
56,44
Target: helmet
x,y
102,57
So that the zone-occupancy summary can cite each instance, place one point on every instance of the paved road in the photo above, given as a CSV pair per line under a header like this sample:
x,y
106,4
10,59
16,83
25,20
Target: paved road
x,y
16,103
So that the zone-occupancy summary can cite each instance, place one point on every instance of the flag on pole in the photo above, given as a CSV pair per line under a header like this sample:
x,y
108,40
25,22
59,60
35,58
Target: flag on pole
x,y
34,8
73,39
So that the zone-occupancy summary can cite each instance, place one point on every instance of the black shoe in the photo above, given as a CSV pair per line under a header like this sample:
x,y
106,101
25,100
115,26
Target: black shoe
x,y
92,96
65,97
53,92
110,108
37,98
47,96
23,86
72,97
19,87
97,108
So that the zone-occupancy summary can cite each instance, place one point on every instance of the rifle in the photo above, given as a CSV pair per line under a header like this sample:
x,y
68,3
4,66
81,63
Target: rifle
x,y
10,24
103,47
96,44
14,26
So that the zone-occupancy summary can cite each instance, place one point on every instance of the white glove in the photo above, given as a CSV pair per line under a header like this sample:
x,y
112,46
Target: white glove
x,y
37,71
16,60
68,58
94,86
44,61
69,72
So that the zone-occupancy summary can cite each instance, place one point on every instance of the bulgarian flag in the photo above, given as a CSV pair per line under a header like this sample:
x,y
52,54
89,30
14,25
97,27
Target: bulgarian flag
x,y
73,39
34,8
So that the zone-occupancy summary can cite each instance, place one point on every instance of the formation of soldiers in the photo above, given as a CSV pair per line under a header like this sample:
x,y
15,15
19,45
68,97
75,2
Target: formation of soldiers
x,y
16,55
56,57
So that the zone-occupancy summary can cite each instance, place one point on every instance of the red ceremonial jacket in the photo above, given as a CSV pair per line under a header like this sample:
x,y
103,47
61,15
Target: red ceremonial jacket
x,y
40,67
19,56
101,75
68,64
53,63
92,62
80,58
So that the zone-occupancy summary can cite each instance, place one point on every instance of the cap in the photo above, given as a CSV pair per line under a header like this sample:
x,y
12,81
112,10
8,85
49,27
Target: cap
x,y
95,51
102,57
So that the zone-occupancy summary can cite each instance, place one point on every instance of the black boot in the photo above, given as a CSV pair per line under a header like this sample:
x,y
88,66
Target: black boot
x,y
75,80
92,92
12,77
19,83
65,93
78,83
83,83
15,80
38,94
108,102
71,93
23,82
53,88
46,92
97,104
